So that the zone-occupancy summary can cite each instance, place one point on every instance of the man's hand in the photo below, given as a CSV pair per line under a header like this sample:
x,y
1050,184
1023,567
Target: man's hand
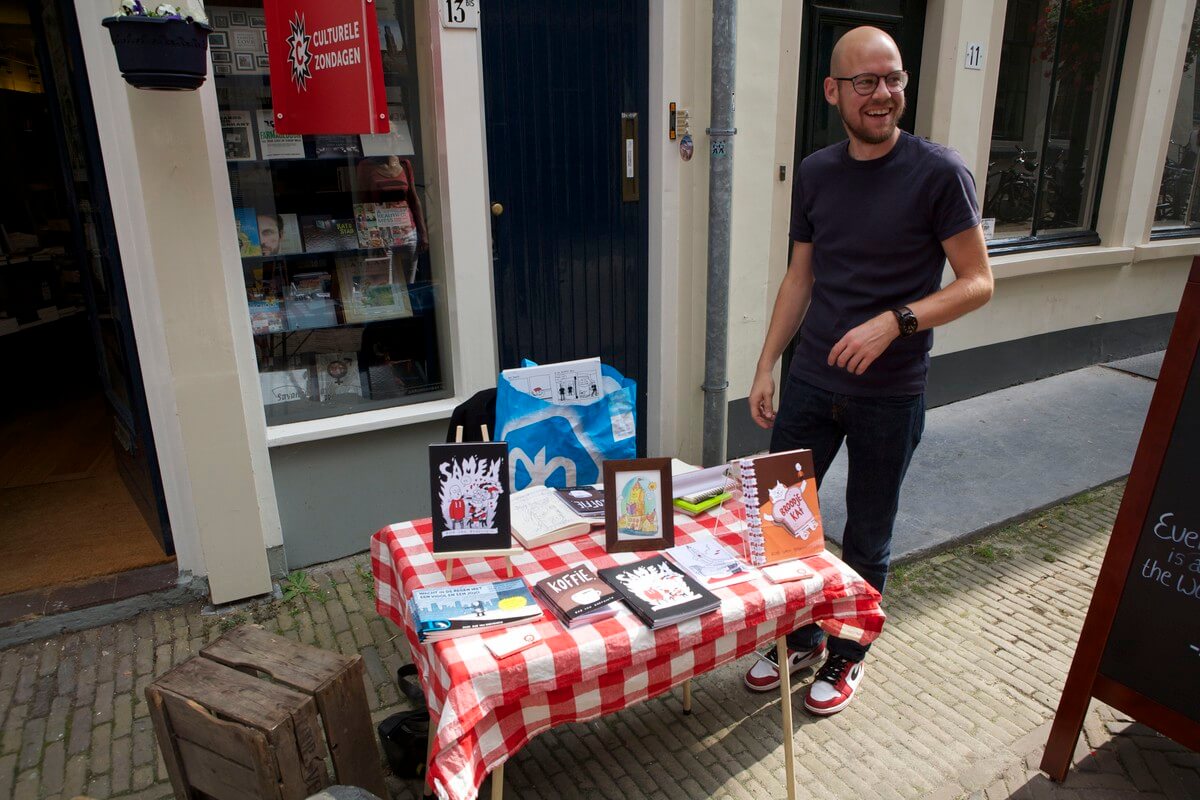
x,y
762,399
859,348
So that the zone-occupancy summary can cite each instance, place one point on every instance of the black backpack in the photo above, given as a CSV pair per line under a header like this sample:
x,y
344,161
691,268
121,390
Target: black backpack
x,y
405,736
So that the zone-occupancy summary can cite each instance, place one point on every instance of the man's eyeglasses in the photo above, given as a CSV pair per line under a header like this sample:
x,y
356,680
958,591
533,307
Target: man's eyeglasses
x,y
866,82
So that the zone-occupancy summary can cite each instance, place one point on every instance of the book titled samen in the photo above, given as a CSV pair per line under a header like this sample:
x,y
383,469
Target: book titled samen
x,y
659,592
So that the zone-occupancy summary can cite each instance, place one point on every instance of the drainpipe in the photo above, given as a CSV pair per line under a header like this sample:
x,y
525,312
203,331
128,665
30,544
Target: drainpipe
x,y
720,205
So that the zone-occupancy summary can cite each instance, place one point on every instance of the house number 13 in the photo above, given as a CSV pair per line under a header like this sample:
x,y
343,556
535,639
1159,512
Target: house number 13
x,y
459,13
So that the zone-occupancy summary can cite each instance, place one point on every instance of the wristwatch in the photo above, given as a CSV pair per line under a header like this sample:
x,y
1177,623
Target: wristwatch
x,y
907,320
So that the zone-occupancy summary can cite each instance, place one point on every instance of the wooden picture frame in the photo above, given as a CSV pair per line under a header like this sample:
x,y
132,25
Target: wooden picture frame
x,y
639,513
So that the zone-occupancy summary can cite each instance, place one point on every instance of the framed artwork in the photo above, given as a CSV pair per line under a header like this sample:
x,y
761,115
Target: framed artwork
x,y
218,40
263,62
222,57
246,40
258,21
219,21
469,496
222,69
638,513
245,62
238,18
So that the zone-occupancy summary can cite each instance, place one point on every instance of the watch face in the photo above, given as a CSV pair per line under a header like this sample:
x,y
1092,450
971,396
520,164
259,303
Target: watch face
x,y
908,324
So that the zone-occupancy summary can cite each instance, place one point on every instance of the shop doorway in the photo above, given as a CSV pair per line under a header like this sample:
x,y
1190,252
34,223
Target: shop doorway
x,y
818,123
566,88
80,494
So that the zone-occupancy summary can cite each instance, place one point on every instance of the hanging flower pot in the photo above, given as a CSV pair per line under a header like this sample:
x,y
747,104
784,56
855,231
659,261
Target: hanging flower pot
x,y
161,49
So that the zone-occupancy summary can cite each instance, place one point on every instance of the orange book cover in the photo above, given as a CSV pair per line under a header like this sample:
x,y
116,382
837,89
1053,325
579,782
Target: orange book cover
x,y
790,517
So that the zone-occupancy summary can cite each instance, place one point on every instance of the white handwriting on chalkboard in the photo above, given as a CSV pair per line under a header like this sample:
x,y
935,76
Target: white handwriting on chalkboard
x,y
1188,585
1170,532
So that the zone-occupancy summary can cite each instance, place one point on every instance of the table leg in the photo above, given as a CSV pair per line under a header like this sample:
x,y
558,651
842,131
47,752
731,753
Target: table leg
x,y
449,568
785,700
498,783
428,790
687,696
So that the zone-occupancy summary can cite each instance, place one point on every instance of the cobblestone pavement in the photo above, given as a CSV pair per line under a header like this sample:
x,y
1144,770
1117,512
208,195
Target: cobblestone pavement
x,y
956,701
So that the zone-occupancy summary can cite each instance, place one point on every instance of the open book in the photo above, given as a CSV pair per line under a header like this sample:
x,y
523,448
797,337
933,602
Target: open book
x,y
539,517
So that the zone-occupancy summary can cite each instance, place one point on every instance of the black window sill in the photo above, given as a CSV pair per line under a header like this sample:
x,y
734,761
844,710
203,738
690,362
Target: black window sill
x,y
1167,234
1030,244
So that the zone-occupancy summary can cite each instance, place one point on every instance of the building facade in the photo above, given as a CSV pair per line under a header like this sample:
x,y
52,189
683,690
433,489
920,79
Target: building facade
x,y
533,201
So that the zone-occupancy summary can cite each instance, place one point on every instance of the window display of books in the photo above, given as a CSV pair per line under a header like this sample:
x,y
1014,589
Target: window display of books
x,y
331,233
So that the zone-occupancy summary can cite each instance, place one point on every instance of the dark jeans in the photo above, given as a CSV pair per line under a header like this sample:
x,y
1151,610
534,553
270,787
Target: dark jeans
x,y
881,434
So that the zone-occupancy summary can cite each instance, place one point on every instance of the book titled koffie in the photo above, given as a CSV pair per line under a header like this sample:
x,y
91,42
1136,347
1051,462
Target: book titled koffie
x,y
575,592
658,592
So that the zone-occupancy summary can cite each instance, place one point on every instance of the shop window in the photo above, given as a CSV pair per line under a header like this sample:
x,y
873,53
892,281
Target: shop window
x,y
1177,211
344,299
1058,77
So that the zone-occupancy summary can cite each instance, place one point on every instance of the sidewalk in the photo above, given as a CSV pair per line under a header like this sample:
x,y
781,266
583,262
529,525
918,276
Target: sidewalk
x,y
956,701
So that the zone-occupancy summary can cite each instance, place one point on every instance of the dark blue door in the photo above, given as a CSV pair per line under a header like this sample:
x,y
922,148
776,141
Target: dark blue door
x,y
565,85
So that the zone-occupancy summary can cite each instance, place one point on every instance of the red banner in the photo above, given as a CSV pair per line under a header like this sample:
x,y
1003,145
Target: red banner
x,y
326,70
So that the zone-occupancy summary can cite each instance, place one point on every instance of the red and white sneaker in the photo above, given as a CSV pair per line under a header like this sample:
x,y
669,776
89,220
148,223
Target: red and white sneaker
x,y
763,676
834,686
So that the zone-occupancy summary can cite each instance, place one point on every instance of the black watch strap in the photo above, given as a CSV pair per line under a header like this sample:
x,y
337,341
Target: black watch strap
x,y
906,319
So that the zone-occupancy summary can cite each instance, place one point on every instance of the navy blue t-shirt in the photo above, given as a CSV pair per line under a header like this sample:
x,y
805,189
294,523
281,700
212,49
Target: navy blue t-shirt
x,y
876,228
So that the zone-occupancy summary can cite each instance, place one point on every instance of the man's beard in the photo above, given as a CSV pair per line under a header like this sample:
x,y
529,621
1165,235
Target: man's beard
x,y
870,137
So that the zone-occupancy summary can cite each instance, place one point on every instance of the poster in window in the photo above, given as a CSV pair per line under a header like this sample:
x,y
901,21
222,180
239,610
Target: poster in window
x,y
275,145
372,289
237,132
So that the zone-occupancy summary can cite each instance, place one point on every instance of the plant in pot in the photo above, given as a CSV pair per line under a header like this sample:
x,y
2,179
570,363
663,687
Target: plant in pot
x,y
160,48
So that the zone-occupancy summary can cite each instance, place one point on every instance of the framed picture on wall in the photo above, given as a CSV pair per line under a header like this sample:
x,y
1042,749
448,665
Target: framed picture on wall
x,y
219,21
218,41
245,62
222,69
638,510
222,57
258,21
238,18
246,40
263,62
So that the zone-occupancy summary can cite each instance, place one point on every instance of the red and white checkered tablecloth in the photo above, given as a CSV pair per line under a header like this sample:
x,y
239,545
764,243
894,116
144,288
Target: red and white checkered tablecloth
x,y
487,709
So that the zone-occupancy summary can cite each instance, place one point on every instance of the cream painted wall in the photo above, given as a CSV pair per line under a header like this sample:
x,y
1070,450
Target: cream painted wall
x,y
184,236
766,101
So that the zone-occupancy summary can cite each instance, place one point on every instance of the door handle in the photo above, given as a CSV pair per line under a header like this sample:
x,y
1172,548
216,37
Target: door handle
x,y
497,209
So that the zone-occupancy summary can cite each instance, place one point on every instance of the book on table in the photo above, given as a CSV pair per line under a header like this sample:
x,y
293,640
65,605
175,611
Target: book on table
x,y
577,596
585,501
539,518
711,563
783,518
659,593
443,612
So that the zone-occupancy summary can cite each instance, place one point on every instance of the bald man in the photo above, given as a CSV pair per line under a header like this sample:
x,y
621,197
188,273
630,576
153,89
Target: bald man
x,y
874,219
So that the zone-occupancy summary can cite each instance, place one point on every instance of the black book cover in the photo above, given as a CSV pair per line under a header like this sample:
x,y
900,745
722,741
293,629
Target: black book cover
x,y
586,501
469,487
659,592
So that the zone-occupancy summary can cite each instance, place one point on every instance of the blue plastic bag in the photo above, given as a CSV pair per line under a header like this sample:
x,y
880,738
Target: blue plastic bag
x,y
566,445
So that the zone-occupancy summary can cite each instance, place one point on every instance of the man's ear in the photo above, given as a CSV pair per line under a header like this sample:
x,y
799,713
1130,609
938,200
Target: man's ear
x,y
831,91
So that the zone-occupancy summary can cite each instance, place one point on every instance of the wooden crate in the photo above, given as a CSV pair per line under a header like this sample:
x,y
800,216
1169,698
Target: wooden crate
x,y
230,736
334,681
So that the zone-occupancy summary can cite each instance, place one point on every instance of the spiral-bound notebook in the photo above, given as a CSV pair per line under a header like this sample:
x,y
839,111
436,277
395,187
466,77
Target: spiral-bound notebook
x,y
783,519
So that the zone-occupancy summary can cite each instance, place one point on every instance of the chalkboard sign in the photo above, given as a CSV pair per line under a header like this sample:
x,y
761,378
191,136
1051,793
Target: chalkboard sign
x,y
1154,645
1139,650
